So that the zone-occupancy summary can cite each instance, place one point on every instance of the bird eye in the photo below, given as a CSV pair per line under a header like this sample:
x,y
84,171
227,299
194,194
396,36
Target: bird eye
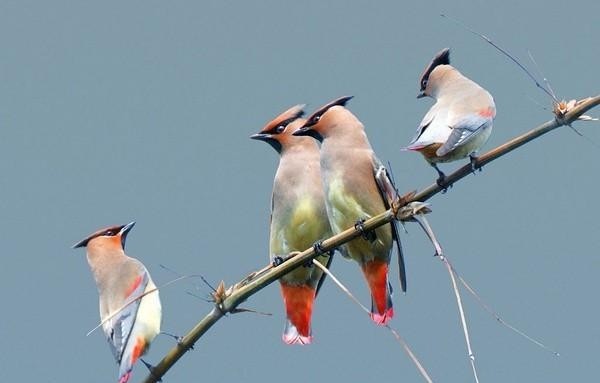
x,y
424,84
109,233
280,129
316,119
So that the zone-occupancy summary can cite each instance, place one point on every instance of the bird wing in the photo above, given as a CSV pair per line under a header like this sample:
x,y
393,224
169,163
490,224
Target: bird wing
x,y
427,120
118,328
388,192
433,129
464,130
323,275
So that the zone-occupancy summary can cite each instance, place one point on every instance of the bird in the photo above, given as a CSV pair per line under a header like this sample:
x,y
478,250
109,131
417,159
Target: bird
x,y
298,218
461,120
357,187
130,323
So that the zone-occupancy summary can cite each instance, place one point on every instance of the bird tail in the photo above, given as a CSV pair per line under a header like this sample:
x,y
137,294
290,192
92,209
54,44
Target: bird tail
x,y
376,274
125,378
130,357
415,146
298,302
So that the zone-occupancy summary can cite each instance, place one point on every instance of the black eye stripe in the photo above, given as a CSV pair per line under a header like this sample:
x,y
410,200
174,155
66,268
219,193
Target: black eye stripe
x,y
281,126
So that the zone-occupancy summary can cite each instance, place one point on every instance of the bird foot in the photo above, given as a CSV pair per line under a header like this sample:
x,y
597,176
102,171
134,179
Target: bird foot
x,y
277,260
360,227
473,161
441,182
318,247
178,339
151,369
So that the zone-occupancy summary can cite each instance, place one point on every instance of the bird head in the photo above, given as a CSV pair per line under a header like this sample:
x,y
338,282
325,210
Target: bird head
x,y
321,120
427,80
277,132
114,235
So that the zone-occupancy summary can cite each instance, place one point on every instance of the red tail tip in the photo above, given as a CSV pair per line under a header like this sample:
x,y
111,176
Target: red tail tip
x,y
298,306
383,319
125,378
297,339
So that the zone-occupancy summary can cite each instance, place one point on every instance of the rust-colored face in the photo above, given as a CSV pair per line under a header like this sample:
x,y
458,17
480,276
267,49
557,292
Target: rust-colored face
x,y
312,127
278,131
119,231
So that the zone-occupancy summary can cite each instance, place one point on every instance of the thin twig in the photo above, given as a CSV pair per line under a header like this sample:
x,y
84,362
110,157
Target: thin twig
x,y
137,298
496,316
242,291
401,340
463,319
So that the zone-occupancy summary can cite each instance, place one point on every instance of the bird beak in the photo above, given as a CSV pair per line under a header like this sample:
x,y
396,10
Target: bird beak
x,y
126,228
421,94
303,131
261,136
308,131
124,232
81,243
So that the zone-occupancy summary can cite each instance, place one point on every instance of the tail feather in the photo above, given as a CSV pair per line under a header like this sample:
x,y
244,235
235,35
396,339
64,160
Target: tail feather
x,y
292,336
298,302
381,297
125,378
382,319
130,357
415,146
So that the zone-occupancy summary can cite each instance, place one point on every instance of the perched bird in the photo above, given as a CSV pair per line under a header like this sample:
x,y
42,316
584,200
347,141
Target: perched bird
x,y
130,323
298,218
460,121
357,187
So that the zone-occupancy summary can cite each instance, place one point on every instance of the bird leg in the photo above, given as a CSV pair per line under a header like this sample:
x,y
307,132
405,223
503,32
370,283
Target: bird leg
x,y
474,160
179,339
318,247
277,260
151,369
360,227
441,180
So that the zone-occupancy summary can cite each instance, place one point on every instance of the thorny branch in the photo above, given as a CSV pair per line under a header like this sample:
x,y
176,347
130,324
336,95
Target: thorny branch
x,y
228,299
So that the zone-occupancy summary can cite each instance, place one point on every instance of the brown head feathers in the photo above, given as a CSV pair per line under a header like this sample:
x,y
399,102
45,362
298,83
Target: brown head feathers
x,y
118,230
441,58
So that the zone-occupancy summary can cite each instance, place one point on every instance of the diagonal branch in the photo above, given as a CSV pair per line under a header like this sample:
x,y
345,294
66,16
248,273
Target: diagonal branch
x,y
241,291
511,145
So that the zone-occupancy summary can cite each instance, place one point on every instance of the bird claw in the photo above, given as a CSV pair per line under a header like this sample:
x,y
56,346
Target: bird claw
x,y
360,227
441,182
473,160
277,260
178,338
318,248
151,369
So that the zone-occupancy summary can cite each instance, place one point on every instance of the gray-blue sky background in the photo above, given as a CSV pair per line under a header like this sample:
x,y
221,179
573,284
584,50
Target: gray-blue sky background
x,y
141,111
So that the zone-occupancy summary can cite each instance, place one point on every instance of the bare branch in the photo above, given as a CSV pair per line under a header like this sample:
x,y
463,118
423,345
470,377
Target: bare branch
x,y
241,291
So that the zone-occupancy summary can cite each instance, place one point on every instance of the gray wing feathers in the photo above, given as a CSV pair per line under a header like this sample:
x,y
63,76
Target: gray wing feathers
x,y
121,324
465,130
427,120
388,192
